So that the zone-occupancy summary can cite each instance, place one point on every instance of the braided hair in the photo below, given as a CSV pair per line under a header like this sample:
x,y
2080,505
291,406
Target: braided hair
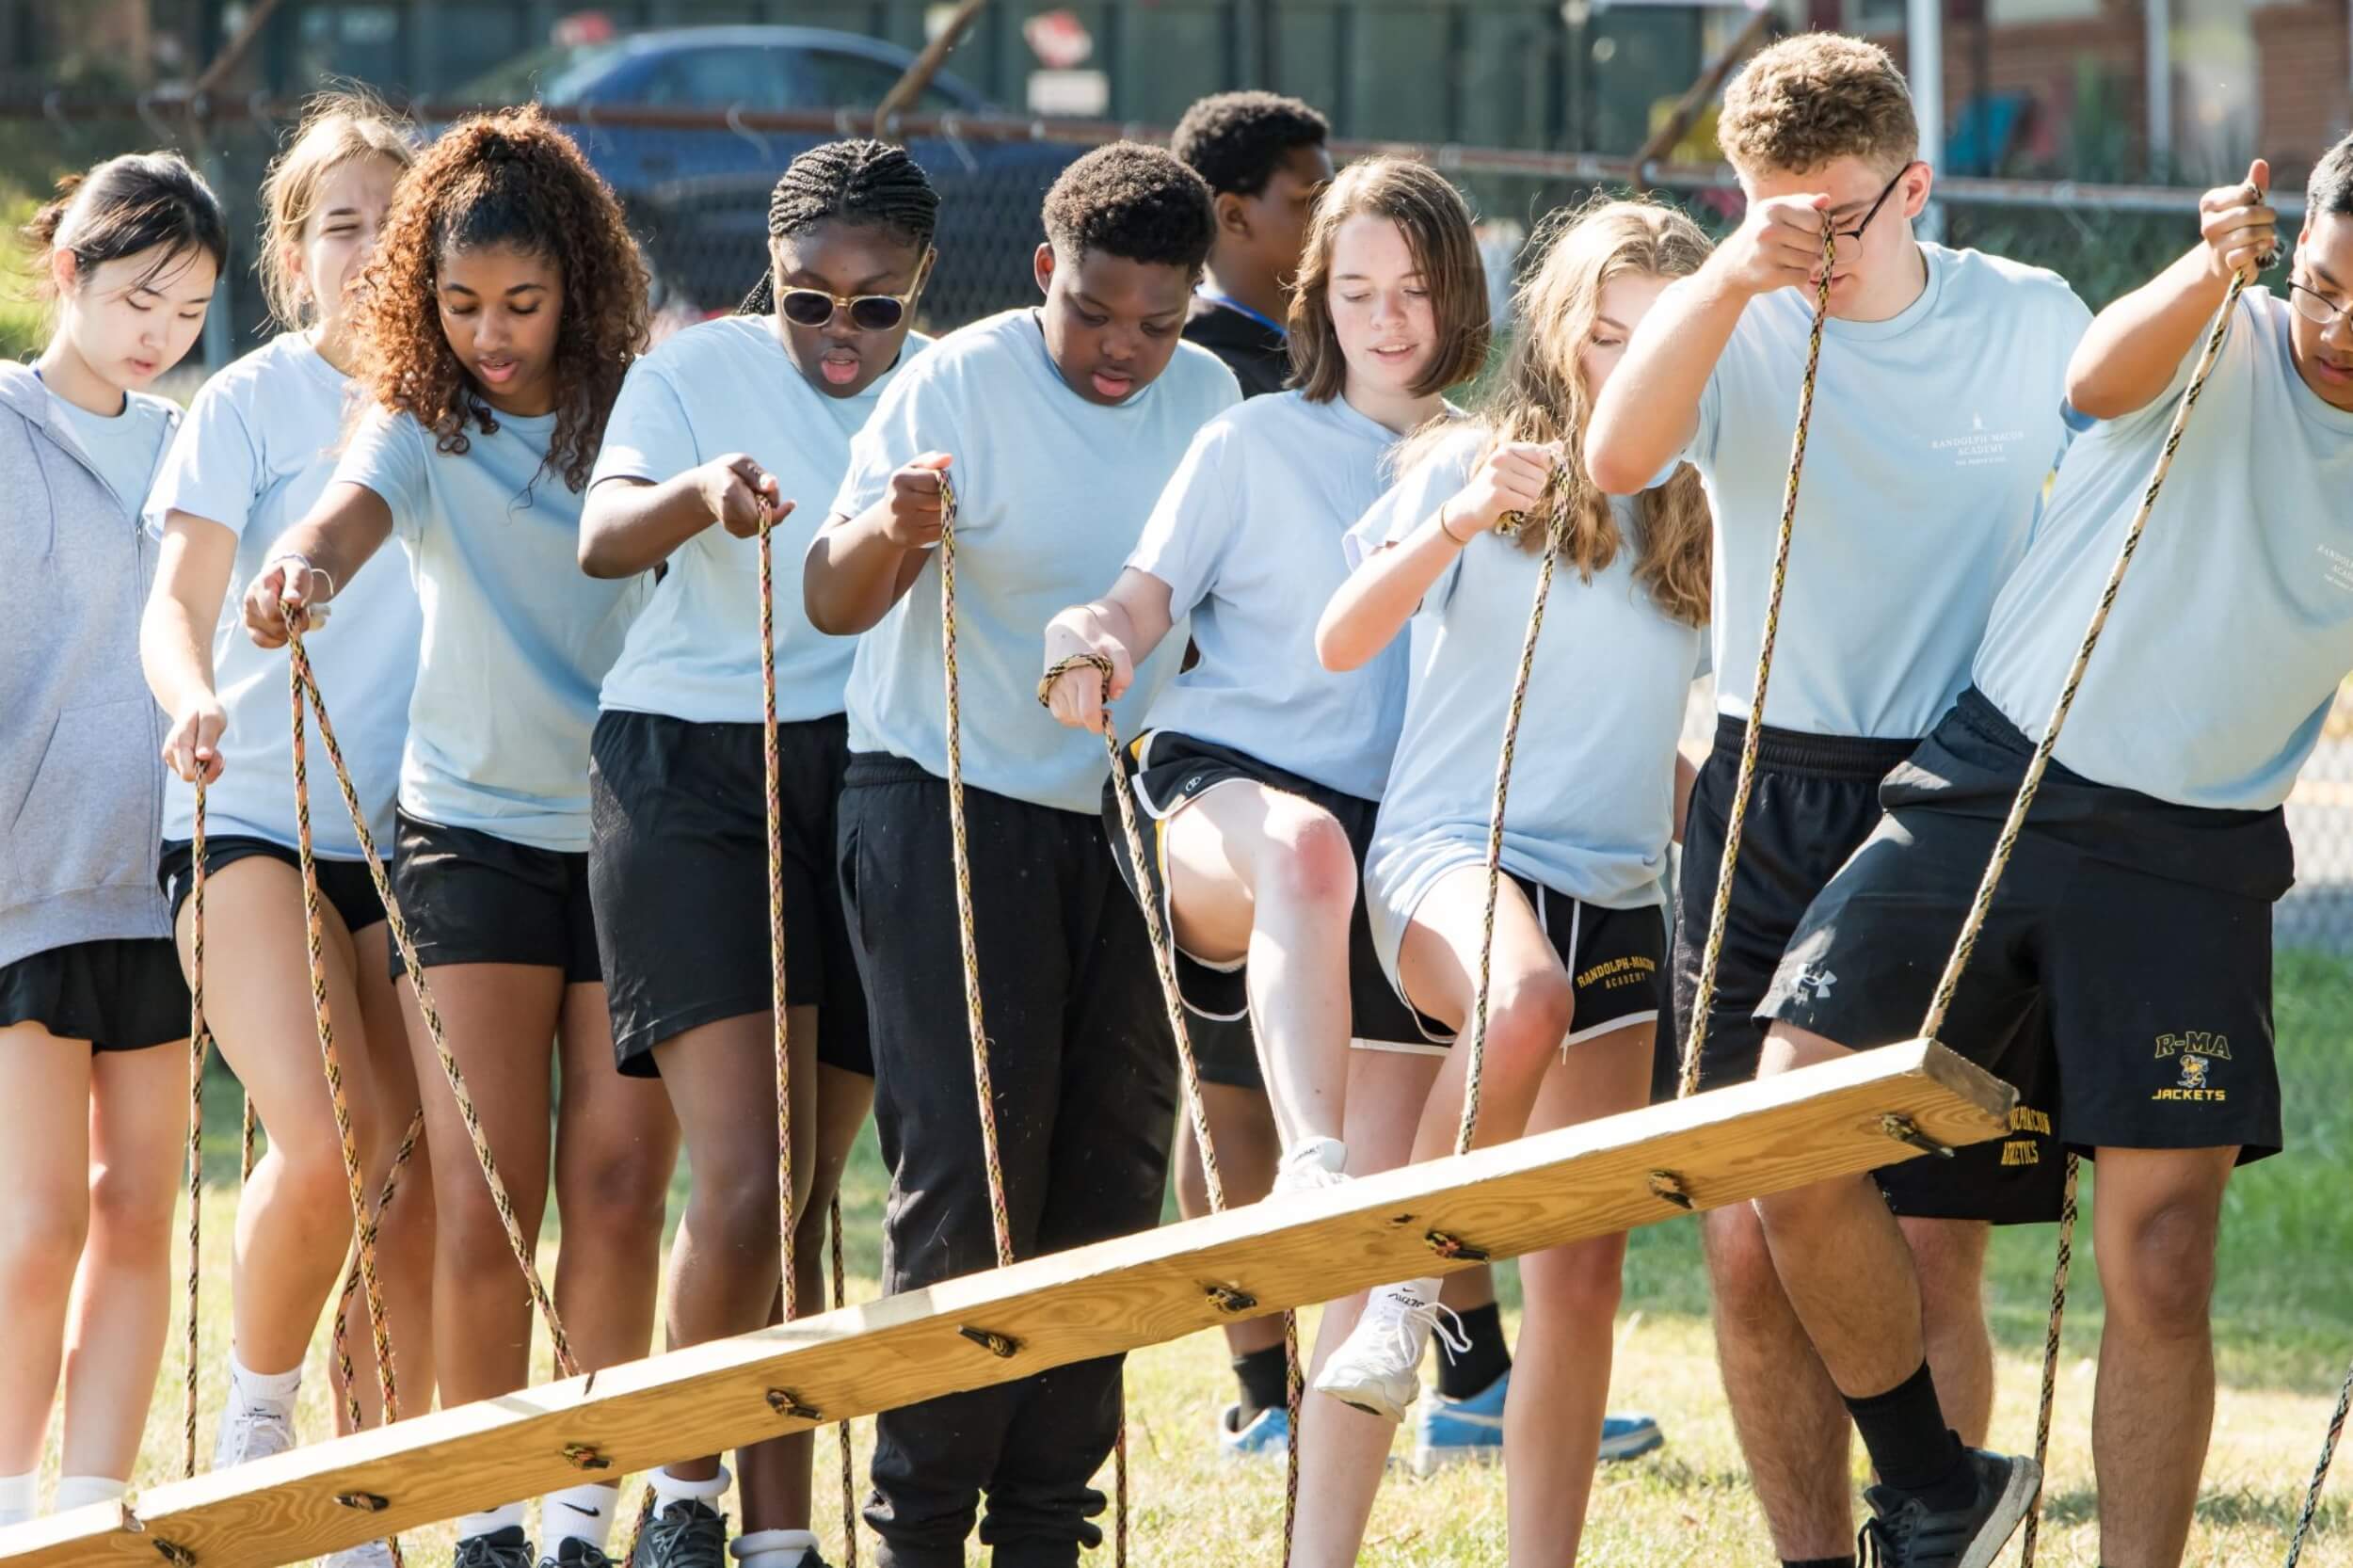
x,y
873,183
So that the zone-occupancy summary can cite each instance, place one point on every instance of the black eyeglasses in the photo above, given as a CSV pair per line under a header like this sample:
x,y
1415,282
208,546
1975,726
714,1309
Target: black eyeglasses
x,y
2317,307
1856,232
869,312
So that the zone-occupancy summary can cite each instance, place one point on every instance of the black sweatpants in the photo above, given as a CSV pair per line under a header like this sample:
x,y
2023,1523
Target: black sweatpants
x,y
1085,1079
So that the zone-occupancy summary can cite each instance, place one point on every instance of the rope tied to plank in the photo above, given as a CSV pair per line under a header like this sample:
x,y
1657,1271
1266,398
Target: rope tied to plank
x,y
1703,996
501,1201
969,946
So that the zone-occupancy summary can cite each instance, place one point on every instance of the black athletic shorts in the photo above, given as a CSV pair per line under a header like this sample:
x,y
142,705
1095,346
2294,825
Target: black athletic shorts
x,y
1815,799
679,863
345,883
475,898
1612,957
2141,928
1169,772
121,995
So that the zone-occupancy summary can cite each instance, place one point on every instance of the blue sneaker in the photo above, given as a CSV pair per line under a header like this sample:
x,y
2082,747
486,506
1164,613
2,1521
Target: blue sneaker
x,y
1470,1430
1267,1436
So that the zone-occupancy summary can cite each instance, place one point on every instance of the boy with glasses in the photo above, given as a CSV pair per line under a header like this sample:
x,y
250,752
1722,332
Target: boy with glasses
x,y
2136,912
1937,416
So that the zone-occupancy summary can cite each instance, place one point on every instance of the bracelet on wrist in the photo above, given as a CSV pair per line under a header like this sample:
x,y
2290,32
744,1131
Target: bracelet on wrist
x,y
1444,527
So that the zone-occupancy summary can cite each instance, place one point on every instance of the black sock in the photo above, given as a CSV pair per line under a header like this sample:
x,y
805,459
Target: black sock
x,y
1817,1562
1475,1370
1910,1445
1261,1376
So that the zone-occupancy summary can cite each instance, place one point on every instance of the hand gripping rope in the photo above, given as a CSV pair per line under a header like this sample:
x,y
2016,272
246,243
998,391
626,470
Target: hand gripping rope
x,y
1165,965
1000,1218
777,979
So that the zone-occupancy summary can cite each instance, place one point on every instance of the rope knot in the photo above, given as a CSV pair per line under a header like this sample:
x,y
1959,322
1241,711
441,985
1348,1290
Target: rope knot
x,y
1077,660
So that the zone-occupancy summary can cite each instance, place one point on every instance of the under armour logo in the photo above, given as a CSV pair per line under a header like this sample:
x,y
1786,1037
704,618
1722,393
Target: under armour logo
x,y
1814,981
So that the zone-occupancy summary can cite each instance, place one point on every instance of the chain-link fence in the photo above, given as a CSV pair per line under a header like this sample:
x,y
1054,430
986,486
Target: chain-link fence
x,y
696,187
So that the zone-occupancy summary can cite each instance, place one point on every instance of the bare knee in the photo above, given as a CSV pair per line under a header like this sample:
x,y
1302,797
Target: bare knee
x,y
621,1194
1582,1282
1950,1258
132,1209
1313,865
1527,1019
309,1181
1740,1274
41,1246
738,1219
2163,1281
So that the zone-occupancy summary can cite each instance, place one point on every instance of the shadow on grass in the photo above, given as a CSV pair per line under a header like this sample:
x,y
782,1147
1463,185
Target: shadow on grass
x,y
2239,1508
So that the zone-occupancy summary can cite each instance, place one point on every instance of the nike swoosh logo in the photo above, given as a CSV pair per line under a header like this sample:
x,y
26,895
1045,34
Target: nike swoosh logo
x,y
592,1512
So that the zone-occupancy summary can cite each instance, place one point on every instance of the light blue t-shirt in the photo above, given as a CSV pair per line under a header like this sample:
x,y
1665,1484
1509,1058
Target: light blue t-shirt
x,y
728,386
1247,537
2235,626
260,443
1593,783
124,447
1932,434
1052,494
517,637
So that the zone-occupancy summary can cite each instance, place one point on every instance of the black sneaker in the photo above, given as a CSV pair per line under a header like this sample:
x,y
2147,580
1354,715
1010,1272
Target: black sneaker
x,y
687,1534
506,1548
1907,1533
576,1553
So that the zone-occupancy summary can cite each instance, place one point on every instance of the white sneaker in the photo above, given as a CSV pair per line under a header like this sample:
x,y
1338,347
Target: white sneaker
x,y
1378,1368
1318,1162
250,1431
373,1554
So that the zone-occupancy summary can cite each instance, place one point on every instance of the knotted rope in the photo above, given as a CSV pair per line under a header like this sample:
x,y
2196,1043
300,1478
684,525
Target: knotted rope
x,y
199,1043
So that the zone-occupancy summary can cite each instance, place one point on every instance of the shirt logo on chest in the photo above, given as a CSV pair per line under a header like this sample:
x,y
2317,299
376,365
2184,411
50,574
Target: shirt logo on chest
x,y
2339,567
1979,446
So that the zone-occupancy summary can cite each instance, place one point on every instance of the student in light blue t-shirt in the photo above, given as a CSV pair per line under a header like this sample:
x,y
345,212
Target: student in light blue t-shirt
x,y
260,445
94,1008
1257,770
1936,420
1056,429
505,302
2136,908
724,426
1579,942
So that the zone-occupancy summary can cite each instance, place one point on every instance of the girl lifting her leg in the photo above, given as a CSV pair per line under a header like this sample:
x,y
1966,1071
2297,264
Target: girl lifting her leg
x,y
1258,769
504,303
1578,934
88,986
258,447
693,462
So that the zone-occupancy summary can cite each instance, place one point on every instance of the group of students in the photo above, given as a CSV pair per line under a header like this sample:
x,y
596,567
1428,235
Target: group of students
x,y
1310,604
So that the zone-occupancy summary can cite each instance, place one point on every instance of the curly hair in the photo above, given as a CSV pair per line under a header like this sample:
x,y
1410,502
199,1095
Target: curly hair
x,y
511,179
1436,223
1134,201
871,182
1814,97
1236,140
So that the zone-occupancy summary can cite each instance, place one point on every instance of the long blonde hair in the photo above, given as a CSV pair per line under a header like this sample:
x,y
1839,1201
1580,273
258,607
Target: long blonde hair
x,y
337,128
1542,397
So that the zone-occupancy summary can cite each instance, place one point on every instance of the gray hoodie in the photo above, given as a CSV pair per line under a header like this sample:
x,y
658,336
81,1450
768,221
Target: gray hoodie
x,y
81,777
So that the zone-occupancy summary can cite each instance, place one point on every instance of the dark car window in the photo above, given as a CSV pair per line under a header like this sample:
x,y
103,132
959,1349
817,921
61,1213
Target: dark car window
x,y
722,78
835,78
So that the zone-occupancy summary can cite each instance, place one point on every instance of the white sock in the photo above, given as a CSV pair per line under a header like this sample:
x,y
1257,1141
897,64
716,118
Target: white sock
x,y
774,1548
82,1491
1426,1289
668,1489
20,1498
472,1525
250,1388
577,1513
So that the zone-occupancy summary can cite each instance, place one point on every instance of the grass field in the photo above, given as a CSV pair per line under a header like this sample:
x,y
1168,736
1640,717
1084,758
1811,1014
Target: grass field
x,y
2284,1324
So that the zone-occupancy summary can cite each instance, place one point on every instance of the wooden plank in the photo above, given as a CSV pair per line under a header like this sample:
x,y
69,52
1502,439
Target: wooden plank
x,y
1719,1148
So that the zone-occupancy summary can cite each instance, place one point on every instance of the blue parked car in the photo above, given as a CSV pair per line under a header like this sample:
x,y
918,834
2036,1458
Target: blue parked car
x,y
698,200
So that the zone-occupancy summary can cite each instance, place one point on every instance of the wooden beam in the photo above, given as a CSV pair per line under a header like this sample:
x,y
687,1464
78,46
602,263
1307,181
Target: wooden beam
x,y
1604,1176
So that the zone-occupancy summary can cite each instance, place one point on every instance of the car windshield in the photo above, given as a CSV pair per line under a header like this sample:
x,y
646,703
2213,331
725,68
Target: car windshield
x,y
556,74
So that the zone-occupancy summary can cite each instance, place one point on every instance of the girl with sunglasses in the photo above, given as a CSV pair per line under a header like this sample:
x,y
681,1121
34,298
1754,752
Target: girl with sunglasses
x,y
726,422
